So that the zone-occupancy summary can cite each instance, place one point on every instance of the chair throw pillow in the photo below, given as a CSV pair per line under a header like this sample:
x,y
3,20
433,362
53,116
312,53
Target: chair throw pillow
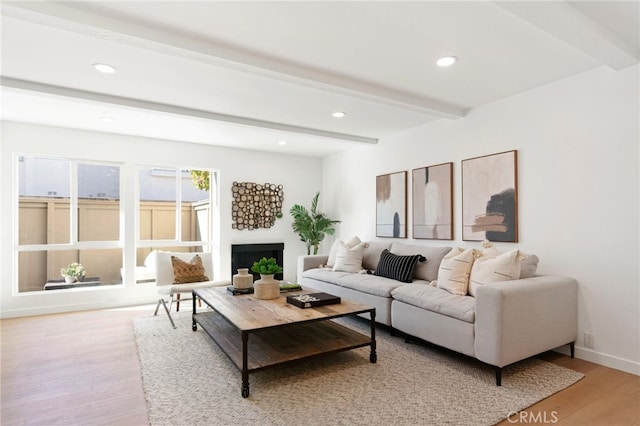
x,y
349,259
453,275
400,268
188,272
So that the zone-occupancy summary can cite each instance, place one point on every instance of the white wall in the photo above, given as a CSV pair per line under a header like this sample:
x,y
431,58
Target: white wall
x,y
300,176
577,142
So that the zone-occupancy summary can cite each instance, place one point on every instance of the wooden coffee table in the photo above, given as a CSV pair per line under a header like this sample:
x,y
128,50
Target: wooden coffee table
x,y
257,334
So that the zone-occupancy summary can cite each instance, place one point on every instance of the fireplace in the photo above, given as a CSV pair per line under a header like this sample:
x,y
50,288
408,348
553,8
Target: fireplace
x,y
243,256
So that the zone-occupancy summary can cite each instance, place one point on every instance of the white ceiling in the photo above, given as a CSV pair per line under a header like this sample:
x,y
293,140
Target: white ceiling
x,y
250,74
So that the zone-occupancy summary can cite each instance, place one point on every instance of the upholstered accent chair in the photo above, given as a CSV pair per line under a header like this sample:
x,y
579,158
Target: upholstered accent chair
x,y
166,279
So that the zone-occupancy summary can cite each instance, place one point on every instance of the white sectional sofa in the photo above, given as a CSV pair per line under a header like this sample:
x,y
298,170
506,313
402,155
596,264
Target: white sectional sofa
x,y
500,323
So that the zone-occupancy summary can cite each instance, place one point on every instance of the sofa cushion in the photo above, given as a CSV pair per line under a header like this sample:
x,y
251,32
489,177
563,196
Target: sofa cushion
x,y
400,268
325,274
366,283
437,300
349,259
487,270
372,254
428,270
454,271
371,284
354,241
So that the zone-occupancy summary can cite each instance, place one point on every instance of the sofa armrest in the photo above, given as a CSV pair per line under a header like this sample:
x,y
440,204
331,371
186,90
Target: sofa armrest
x,y
521,318
310,262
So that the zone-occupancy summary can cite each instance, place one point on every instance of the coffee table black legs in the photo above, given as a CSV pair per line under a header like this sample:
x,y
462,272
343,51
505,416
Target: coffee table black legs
x,y
245,368
194,326
373,356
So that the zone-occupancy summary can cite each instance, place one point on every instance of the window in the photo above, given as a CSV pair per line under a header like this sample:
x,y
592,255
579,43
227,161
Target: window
x,y
174,212
68,211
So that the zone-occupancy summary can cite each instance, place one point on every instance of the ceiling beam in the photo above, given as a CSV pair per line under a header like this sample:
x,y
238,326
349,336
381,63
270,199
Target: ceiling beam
x,y
67,18
66,92
566,23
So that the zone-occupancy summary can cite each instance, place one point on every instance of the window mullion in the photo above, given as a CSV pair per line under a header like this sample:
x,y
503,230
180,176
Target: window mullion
x,y
178,235
73,203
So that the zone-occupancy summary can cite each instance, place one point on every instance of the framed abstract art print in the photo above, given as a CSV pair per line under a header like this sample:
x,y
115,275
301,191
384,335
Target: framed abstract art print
x,y
391,205
433,202
490,198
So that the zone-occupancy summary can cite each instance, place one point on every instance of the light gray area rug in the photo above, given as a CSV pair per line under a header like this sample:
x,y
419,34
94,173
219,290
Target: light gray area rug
x,y
188,380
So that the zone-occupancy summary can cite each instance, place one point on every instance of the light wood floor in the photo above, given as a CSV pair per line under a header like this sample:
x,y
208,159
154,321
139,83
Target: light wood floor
x,y
82,369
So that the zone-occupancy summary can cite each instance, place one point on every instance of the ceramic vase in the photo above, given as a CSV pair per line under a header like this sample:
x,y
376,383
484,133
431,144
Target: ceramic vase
x,y
243,279
266,287
68,279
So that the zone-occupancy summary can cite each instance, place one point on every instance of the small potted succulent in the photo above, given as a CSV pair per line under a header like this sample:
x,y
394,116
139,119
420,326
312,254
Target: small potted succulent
x,y
266,266
73,272
266,287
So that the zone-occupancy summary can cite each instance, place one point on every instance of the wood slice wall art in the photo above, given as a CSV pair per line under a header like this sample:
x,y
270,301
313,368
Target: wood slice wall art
x,y
256,205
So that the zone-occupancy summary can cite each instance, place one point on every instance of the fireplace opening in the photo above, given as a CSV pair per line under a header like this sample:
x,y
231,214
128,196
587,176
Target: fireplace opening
x,y
243,256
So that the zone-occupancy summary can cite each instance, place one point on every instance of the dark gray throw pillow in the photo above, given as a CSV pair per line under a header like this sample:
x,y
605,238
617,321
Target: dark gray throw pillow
x,y
397,267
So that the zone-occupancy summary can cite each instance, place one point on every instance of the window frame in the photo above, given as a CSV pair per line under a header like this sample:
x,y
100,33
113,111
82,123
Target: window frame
x,y
73,243
129,240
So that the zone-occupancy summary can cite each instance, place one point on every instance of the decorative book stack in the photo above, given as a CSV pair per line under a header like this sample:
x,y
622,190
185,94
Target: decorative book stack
x,y
284,288
313,300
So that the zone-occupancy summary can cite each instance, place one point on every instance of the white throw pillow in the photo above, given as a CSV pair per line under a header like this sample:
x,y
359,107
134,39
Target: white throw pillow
x,y
528,264
453,274
334,249
349,259
487,270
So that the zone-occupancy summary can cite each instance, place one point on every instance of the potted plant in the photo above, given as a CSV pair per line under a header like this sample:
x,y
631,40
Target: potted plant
x,y
266,266
73,272
266,287
311,225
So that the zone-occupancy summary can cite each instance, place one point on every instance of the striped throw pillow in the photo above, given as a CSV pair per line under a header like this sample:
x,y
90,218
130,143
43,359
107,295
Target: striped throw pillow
x,y
400,268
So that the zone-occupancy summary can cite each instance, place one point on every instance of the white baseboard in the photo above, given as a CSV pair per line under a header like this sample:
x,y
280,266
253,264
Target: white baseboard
x,y
607,360
55,309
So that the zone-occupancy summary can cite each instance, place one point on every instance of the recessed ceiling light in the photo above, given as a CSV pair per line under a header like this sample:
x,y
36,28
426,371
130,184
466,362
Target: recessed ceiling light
x,y
446,61
282,142
108,119
107,69
338,114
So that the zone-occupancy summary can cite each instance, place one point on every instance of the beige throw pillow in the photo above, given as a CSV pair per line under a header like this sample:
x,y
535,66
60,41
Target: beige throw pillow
x,y
487,270
529,266
188,272
334,249
453,274
349,259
